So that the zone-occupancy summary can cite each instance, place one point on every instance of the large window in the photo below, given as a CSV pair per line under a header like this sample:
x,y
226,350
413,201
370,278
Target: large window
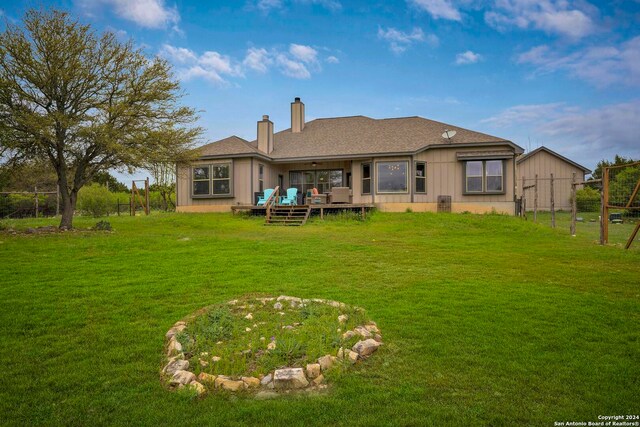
x,y
392,177
484,176
212,180
366,178
421,177
323,180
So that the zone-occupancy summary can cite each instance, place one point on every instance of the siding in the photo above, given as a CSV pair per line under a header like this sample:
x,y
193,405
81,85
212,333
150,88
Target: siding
x,y
544,164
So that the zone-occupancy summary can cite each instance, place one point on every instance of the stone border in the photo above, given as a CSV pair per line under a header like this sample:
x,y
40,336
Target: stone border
x,y
177,375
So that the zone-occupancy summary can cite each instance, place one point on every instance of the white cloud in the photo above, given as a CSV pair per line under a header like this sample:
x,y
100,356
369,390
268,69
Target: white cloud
x,y
210,65
332,60
299,62
267,6
146,13
303,53
439,9
332,5
467,57
559,17
400,41
292,68
257,59
588,134
599,65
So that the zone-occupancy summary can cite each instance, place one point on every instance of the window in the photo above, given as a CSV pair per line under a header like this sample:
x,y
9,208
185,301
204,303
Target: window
x,y
366,178
484,176
421,177
212,180
261,178
323,180
392,177
201,180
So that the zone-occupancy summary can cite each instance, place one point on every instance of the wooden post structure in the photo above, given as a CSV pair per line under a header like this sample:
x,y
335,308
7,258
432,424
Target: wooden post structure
x,y
146,196
523,203
35,191
553,205
573,205
602,216
605,206
535,200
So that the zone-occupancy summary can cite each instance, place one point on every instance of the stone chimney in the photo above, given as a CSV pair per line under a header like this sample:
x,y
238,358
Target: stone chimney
x,y
297,116
265,135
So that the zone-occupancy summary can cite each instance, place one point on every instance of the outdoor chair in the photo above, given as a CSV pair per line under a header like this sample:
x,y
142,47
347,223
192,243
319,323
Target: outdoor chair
x,y
340,195
262,200
291,198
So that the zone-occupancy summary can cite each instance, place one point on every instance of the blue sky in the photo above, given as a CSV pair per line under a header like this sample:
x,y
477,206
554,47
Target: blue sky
x,y
559,73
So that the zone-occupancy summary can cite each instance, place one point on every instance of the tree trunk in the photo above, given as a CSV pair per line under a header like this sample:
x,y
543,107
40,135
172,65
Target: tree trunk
x,y
68,207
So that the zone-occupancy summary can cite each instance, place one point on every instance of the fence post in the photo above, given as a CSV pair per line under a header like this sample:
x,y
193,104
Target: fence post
x,y
573,205
146,196
553,205
535,200
602,216
523,206
605,206
35,190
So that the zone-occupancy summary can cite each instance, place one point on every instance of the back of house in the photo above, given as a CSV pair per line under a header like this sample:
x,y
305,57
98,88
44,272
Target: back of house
x,y
394,164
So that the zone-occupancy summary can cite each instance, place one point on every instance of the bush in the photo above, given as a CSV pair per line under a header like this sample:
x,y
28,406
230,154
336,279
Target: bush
x,y
588,200
96,200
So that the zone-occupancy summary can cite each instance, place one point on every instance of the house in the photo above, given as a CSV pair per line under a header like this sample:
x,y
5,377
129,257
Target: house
x,y
543,162
394,164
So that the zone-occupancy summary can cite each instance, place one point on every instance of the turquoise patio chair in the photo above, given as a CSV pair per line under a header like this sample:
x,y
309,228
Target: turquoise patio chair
x,y
291,197
262,200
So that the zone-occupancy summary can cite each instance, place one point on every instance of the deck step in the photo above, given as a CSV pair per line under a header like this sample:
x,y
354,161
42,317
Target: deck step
x,y
289,215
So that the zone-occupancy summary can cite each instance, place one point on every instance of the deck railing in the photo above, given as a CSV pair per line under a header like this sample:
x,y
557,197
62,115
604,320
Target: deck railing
x,y
271,201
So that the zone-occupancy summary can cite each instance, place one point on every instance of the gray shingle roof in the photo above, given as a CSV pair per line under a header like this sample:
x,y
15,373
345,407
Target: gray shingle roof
x,y
227,146
357,135
553,153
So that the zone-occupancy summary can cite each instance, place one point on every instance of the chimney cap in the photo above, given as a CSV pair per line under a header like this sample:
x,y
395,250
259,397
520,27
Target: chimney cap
x,y
297,99
265,117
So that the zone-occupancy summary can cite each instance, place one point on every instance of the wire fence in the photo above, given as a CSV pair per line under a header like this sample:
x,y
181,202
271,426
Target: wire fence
x,y
22,204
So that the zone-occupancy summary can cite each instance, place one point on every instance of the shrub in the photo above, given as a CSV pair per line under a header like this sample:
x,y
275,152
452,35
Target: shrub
x,y
96,200
588,200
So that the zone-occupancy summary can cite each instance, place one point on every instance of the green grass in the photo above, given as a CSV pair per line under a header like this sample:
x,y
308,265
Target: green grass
x,y
487,320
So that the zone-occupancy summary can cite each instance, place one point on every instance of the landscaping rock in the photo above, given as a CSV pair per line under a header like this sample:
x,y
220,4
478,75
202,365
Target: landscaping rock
x,y
271,345
174,365
249,316
318,380
313,370
288,298
343,318
266,380
277,306
174,347
353,357
216,359
362,331
378,338
199,388
203,377
366,347
371,327
290,378
174,331
227,383
203,363
182,378
340,353
251,382
326,362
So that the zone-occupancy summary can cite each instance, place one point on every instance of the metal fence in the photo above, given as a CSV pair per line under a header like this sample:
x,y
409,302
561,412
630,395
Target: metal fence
x,y
22,204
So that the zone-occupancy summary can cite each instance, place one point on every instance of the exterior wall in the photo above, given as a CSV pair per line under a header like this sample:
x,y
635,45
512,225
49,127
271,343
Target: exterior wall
x,y
444,176
241,188
544,164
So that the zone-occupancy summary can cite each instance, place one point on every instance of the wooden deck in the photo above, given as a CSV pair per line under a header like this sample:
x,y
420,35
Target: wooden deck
x,y
319,209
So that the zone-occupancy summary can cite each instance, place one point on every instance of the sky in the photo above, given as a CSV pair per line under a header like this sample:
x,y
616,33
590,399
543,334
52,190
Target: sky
x,y
560,73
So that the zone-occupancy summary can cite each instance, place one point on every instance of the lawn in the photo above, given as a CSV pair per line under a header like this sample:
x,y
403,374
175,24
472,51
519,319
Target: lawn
x,y
487,320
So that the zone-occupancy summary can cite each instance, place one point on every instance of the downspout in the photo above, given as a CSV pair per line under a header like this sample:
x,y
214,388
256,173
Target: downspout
x,y
251,196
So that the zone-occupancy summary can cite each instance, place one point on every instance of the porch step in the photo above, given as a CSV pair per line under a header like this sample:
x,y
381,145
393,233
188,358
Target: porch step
x,y
289,215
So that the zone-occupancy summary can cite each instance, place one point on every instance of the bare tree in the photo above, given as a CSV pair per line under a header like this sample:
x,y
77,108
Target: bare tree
x,y
86,103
